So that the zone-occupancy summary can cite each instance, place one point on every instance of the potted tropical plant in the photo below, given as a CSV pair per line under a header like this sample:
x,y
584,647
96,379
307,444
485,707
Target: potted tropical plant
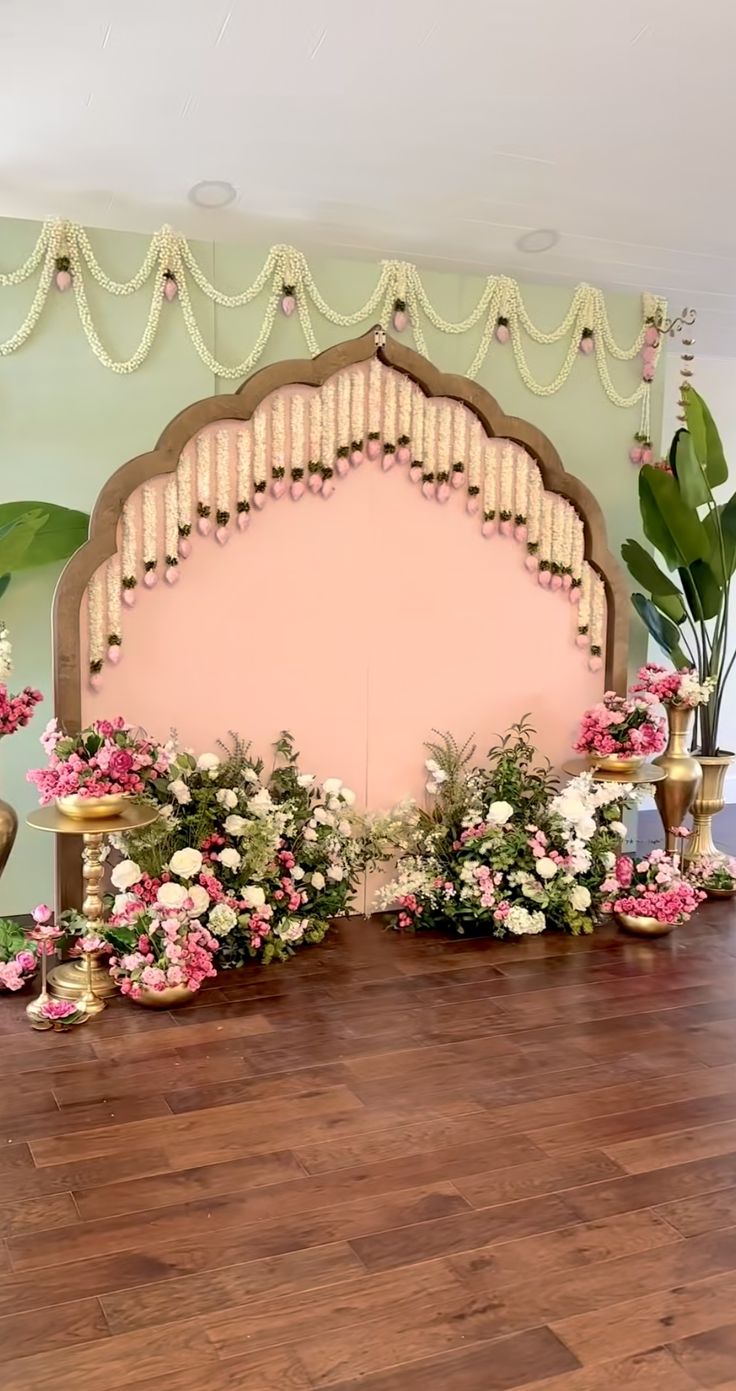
x,y
686,610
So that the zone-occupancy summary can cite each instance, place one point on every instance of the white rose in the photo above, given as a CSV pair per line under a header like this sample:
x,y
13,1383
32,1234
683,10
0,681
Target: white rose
x,y
310,833
323,817
121,901
235,825
208,763
186,863
229,858
335,872
609,859
227,798
297,872
200,899
332,786
172,895
546,868
318,880
222,919
348,796
618,829
261,803
344,828
126,874
250,775
334,803
580,898
499,813
291,930
180,791
305,779
253,896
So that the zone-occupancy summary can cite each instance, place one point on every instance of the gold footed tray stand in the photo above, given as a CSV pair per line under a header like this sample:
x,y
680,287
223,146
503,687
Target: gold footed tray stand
x,y
644,773
87,980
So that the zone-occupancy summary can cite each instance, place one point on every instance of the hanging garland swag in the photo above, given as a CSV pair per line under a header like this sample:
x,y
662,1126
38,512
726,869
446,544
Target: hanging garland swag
x,y
63,256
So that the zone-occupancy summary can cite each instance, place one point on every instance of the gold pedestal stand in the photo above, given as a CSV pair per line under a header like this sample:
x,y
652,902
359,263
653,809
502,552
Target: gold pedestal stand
x,y
644,773
87,980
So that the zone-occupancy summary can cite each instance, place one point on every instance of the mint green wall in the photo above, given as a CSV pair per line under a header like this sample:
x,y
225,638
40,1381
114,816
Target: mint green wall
x,y
66,423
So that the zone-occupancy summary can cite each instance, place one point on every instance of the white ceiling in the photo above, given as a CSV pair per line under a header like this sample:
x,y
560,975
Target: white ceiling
x,y
418,128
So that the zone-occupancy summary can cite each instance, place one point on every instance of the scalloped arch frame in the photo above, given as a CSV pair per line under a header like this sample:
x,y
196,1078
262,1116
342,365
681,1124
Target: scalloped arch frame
x,y
240,406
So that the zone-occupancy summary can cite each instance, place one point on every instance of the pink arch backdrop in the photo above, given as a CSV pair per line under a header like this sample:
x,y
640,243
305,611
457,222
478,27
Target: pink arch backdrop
x,y
354,607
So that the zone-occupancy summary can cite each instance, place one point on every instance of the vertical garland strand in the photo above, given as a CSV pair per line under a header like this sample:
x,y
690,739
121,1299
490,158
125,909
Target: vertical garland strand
x,y
114,609
243,475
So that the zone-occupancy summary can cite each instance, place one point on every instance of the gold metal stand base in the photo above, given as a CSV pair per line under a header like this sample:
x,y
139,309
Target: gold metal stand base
x,y
70,981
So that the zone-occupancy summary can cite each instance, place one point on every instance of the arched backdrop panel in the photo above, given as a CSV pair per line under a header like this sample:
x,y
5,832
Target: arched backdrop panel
x,y
362,613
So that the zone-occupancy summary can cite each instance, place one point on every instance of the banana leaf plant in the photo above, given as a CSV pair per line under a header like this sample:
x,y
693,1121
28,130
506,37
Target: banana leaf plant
x,y
37,533
686,611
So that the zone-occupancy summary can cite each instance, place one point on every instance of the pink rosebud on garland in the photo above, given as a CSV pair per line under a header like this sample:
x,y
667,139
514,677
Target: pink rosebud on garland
x,y
401,318
288,300
502,329
171,289
586,344
651,334
63,276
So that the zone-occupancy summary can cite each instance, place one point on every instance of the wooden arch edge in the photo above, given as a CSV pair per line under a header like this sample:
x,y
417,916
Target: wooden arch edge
x,y
240,405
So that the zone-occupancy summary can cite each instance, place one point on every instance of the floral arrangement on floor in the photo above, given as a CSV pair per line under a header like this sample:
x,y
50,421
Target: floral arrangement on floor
x,y
502,850
278,854
17,958
156,934
109,758
652,887
713,874
679,688
16,711
626,726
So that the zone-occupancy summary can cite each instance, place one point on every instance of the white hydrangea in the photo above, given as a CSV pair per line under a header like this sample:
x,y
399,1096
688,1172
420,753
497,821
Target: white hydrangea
x,y
227,798
208,763
180,791
521,922
222,919
261,804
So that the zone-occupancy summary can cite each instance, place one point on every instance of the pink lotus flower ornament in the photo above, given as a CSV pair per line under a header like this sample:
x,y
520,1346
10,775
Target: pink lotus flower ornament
x,y
472,506
388,461
651,336
342,464
647,454
184,547
222,535
586,343
171,574
443,492
403,454
582,640
243,521
278,488
635,454
328,487
128,597
114,653
297,489
315,482
204,526
171,289
574,595
374,449
521,532
506,527
95,680
150,579
544,578
567,582
649,354
531,563
488,529
556,582
456,478
288,303
259,501
595,663
356,458
427,489
415,473
400,320
502,330
63,280
647,372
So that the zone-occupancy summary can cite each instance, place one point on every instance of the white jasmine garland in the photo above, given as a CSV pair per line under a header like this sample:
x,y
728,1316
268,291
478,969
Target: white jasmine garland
x,y
183,478
597,615
149,497
96,621
222,477
577,546
521,486
244,467
357,407
298,440
171,521
459,447
113,580
418,415
260,448
328,446
129,543
343,412
374,398
406,390
204,473
278,435
506,481
491,502
534,511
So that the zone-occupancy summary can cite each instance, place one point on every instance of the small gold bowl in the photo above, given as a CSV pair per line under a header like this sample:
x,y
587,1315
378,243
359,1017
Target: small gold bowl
x,y
163,999
91,808
643,927
617,762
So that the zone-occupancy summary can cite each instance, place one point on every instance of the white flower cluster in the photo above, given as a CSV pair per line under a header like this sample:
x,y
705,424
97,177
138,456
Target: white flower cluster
x,y
693,692
583,796
6,653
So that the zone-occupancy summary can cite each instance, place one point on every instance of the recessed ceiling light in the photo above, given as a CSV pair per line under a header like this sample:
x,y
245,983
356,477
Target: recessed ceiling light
x,y
539,239
212,193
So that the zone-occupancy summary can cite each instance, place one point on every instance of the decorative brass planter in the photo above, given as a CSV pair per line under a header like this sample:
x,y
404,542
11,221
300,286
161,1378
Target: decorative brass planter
x,y
91,808
676,794
170,998
616,762
643,927
8,832
709,800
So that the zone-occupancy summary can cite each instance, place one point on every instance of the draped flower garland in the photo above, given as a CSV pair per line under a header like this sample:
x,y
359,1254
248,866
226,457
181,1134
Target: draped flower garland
x,y
63,257
302,439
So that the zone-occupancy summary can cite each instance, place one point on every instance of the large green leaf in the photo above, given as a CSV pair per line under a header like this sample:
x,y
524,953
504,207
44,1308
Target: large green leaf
x,y
705,437
703,590
17,539
63,532
645,570
663,632
688,470
727,514
4,582
673,528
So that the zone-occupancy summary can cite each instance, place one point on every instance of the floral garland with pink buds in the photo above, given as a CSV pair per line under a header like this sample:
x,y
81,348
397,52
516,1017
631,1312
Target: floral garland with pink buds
x,y
306,439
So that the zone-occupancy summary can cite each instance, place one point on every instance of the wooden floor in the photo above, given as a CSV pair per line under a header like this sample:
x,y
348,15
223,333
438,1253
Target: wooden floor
x,y
395,1164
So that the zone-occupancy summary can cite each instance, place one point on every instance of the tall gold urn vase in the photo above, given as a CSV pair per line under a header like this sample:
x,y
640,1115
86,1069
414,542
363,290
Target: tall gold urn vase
x,y
8,832
676,793
709,800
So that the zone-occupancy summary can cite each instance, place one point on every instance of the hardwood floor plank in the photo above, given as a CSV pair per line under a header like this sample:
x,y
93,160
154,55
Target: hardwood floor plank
x,y
660,1151
653,1187
647,1371
63,1327
707,1212
113,1362
37,1214
528,1358
709,1357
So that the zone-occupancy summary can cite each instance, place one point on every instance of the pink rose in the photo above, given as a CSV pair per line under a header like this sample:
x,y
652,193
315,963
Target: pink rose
x,y
121,763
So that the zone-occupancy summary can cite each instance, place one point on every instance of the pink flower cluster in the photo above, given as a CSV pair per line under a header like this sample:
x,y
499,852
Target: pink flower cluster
x,y
653,887
16,710
170,950
15,973
681,688
622,725
108,758
409,909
